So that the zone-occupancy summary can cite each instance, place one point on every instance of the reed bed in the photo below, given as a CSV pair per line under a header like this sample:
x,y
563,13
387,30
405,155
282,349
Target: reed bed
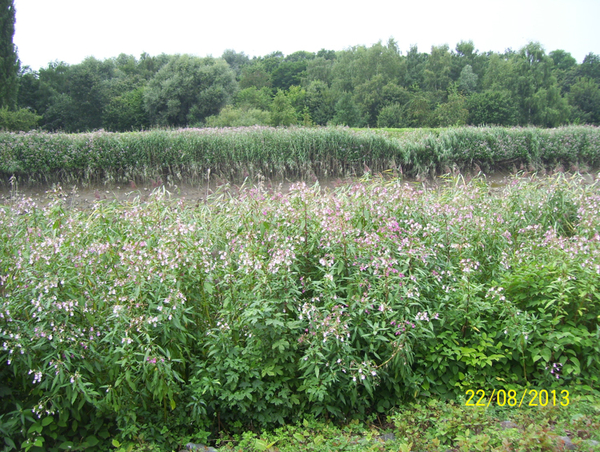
x,y
235,154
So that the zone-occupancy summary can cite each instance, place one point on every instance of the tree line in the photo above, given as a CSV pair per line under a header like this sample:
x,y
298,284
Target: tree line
x,y
362,86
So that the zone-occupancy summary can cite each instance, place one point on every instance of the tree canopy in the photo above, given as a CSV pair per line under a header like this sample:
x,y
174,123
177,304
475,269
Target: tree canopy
x,y
375,86
9,61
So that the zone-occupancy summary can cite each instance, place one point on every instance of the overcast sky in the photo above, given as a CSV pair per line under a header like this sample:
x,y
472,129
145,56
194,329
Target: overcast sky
x,y
71,30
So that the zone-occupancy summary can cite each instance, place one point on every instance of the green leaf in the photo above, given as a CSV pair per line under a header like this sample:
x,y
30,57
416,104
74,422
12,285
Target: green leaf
x,y
92,441
39,442
37,428
173,405
116,443
546,354
47,421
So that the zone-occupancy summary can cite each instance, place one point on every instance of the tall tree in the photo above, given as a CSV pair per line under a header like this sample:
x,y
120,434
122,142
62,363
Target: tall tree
x,y
188,89
9,61
537,89
438,68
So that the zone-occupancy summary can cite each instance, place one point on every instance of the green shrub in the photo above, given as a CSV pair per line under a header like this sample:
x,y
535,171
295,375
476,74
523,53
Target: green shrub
x,y
19,120
162,321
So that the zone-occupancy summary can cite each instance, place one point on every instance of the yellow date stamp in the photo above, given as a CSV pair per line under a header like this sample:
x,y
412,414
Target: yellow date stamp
x,y
513,398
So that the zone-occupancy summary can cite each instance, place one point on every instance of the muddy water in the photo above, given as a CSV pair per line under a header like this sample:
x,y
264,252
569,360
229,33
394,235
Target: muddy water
x,y
84,196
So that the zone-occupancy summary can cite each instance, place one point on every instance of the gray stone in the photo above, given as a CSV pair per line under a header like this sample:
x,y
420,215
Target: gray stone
x,y
508,424
566,442
198,448
387,437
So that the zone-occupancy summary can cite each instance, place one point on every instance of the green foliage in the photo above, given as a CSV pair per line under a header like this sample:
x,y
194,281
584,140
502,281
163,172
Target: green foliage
x,y
453,112
288,73
590,67
188,89
9,61
391,116
19,120
253,97
256,76
234,154
492,108
160,322
525,87
347,112
283,112
467,82
585,98
239,117
437,68
320,102
126,112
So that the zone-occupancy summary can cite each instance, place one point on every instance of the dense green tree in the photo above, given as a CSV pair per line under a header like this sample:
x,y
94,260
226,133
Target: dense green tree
x,y
360,86
320,102
584,97
451,113
188,89
84,88
319,69
369,97
288,73
9,61
590,67
437,69
38,90
499,74
29,90
88,87
271,61
418,110
283,112
536,88
415,68
347,112
126,112
326,54
255,75
359,65
466,54
562,60
467,81
253,97
61,114
392,115
21,119
236,61
492,107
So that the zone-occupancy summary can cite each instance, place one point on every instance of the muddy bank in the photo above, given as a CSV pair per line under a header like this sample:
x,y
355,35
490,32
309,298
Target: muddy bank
x,y
83,196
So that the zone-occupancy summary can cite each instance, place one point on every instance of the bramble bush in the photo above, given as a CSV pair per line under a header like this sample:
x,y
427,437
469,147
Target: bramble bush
x,y
278,153
160,321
